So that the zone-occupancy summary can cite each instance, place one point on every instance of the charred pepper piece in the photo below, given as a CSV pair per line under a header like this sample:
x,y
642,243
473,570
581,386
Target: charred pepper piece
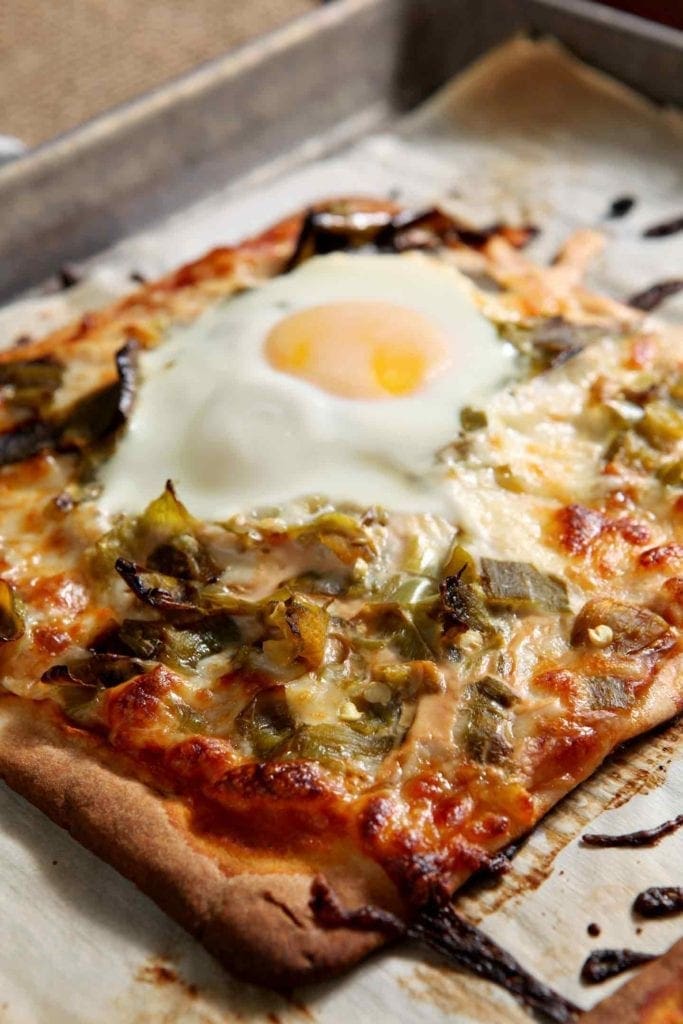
x,y
520,587
487,729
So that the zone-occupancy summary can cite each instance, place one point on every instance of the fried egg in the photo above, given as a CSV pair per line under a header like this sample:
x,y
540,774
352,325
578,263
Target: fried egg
x,y
341,379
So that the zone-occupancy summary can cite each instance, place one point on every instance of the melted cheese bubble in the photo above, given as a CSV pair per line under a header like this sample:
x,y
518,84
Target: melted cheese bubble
x,y
342,378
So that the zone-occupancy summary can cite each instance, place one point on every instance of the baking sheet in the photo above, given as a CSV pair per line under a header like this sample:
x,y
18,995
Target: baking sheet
x,y
527,134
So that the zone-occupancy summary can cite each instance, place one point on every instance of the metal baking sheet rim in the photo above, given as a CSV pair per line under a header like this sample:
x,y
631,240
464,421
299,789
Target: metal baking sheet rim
x,y
358,61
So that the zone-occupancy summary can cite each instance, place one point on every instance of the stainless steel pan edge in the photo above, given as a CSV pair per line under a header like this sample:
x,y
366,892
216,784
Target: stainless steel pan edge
x,y
326,76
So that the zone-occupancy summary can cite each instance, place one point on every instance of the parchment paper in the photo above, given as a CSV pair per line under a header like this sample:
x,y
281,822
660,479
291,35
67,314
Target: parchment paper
x,y
526,134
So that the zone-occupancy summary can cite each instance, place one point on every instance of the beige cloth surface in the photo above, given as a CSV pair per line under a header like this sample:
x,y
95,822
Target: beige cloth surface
x,y
63,61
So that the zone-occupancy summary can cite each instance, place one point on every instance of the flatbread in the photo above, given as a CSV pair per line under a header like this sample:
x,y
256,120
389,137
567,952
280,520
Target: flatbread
x,y
244,887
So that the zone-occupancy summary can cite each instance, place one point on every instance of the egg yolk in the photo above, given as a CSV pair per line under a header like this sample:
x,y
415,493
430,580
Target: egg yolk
x,y
359,349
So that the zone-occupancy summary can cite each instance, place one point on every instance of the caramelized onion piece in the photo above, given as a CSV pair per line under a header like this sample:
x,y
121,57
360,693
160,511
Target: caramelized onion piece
x,y
182,557
302,632
464,606
92,419
460,563
549,342
33,382
390,625
101,414
164,539
60,674
661,425
164,520
99,670
635,630
266,722
165,593
377,718
183,645
11,618
433,228
341,226
189,720
336,746
77,701
336,228
343,535
26,440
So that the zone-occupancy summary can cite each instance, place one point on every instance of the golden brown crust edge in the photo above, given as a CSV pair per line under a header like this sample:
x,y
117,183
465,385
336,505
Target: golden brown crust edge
x,y
653,996
259,925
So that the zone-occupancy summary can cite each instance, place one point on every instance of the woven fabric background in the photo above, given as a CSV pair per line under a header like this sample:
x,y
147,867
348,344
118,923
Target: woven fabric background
x,y
62,61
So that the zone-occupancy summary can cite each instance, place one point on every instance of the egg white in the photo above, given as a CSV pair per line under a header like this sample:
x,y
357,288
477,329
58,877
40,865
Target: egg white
x,y
235,434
